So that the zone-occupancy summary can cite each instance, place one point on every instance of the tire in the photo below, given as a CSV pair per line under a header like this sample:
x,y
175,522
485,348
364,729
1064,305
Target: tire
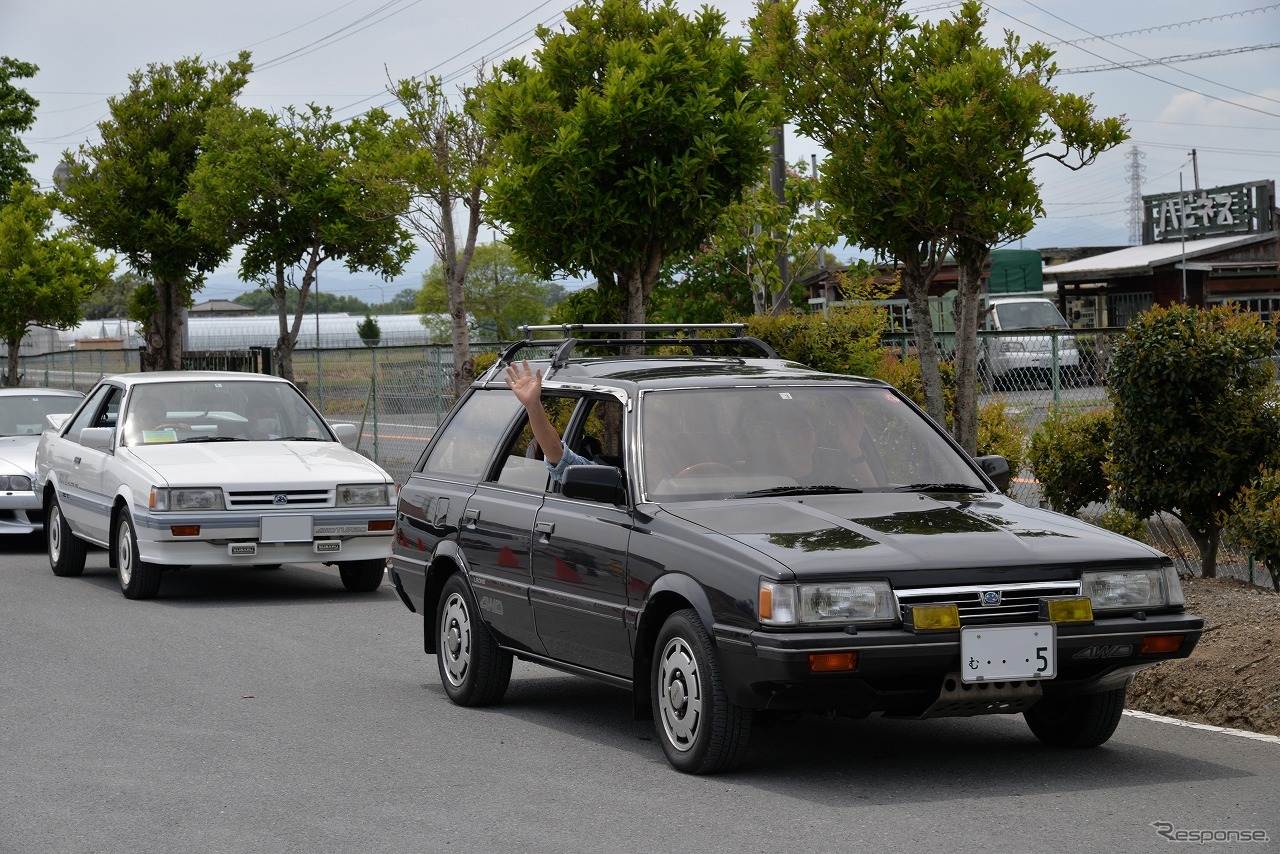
x,y
701,732
1086,721
139,579
362,576
474,670
66,550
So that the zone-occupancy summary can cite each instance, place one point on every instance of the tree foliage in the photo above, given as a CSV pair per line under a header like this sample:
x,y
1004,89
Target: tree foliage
x,y
1254,520
123,191
1067,454
932,135
17,114
263,301
624,143
1195,415
44,275
112,298
286,188
502,293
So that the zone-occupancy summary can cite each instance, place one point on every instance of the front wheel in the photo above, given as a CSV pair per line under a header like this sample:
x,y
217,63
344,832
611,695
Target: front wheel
x,y
700,730
475,671
139,579
1086,721
362,576
66,550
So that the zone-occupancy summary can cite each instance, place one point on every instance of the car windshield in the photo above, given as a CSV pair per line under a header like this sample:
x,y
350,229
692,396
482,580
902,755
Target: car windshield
x,y
23,415
220,410
798,440
1038,314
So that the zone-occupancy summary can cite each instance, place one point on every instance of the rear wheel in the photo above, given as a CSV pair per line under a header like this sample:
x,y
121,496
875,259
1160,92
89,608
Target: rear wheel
x,y
475,671
701,731
66,550
362,576
1086,721
139,579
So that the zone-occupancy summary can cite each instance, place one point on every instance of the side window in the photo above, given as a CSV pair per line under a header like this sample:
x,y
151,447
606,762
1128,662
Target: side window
x,y
467,442
523,465
91,412
600,436
110,414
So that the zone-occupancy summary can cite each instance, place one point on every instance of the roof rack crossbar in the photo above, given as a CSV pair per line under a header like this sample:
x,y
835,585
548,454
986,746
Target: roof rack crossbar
x,y
567,330
700,346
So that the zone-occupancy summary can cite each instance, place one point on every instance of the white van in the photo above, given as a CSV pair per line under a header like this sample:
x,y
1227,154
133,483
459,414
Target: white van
x,y
1003,358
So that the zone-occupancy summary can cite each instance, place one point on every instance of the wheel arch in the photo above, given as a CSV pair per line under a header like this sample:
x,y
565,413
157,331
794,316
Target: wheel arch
x,y
670,593
447,561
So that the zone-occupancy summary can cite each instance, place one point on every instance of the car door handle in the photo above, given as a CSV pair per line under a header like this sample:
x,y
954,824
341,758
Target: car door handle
x,y
470,516
77,461
545,529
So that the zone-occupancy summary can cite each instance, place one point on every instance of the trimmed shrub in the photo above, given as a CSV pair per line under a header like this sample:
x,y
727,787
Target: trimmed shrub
x,y
1067,453
1254,521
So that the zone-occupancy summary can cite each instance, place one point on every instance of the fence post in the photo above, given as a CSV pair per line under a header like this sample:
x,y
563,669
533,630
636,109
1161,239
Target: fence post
x,y
373,354
319,378
1057,371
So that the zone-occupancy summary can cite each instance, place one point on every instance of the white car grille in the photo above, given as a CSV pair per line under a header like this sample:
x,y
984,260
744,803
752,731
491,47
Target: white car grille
x,y
292,498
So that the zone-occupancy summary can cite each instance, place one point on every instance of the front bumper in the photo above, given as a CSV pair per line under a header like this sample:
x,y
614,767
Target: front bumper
x,y
20,513
902,673
243,539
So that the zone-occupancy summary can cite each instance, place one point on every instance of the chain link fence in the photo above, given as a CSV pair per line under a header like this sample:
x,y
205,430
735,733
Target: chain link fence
x,y
398,395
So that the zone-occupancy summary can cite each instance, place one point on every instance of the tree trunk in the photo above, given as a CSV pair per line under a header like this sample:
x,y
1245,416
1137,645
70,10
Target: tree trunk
x,y
965,312
926,349
284,341
1206,541
11,377
163,344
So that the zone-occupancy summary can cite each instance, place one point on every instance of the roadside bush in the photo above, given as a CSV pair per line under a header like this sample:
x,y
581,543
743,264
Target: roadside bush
x,y
1001,432
1123,522
1067,453
844,340
1254,521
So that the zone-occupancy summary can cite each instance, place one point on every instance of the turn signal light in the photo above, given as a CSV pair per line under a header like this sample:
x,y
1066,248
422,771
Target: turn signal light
x,y
382,524
832,662
185,530
1155,644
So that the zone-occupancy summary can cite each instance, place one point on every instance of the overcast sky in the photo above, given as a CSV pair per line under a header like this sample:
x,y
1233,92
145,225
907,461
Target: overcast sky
x,y
1226,105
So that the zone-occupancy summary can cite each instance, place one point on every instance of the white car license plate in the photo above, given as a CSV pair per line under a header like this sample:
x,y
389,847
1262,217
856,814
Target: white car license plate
x,y
1008,652
285,529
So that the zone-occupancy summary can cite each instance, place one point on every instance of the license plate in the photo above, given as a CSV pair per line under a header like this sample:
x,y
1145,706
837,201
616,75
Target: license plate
x,y
285,529
990,653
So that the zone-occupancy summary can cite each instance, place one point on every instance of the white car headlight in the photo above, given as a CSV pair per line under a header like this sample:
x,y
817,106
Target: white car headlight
x,y
364,495
830,603
186,498
15,483
1132,589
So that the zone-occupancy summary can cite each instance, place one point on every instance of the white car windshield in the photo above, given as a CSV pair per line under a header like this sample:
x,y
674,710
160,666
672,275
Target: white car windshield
x,y
220,410
742,442
24,415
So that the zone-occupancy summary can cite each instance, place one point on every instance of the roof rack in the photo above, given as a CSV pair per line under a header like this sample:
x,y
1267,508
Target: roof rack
x,y
571,339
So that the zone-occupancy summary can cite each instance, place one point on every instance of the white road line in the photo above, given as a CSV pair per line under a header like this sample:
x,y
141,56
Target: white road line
x,y
1242,733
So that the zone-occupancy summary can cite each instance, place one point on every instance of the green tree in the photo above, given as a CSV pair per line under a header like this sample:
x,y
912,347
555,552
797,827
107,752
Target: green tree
x,y
288,187
502,293
17,114
44,276
263,301
369,331
1254,520
932,135
402,302
1067,455
624,143
112,299
1195,415
124,191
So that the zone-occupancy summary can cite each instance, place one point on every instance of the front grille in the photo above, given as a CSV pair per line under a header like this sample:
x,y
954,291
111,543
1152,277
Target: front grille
x,y
292,498
1019,603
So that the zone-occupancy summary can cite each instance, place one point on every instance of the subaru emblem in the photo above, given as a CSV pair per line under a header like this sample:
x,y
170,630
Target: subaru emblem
x,y
281,498
991,597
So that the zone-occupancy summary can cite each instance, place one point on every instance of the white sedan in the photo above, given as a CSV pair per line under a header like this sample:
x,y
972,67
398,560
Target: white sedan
x,y
22,419
200,468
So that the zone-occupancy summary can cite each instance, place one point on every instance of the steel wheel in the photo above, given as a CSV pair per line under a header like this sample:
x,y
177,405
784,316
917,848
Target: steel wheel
x,y
474,670
138,578
679,694
66,550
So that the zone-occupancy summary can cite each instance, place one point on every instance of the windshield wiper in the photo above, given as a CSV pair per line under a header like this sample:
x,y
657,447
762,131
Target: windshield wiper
x,y
299,439
939,487
820,489
210,439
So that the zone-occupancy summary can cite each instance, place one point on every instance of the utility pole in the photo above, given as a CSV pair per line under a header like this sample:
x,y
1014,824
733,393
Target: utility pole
x,y
778,181
1195,169
1135,194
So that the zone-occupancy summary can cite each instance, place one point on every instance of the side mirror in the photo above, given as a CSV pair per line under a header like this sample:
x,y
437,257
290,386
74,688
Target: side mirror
x,y
57,419
98,438
995,467
346,433
602,484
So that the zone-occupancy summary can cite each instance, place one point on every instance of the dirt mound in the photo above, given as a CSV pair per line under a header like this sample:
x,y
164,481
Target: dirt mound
x,y
1233,677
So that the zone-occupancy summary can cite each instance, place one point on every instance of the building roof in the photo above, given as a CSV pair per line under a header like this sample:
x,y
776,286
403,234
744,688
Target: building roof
x,y
1142,260
221,305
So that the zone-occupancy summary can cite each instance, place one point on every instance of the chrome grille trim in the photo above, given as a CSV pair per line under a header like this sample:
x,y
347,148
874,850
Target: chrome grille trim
x,y
266,499
1019,602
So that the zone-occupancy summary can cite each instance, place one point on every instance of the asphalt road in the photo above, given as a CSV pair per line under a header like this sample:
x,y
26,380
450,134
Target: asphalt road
x,y
272,711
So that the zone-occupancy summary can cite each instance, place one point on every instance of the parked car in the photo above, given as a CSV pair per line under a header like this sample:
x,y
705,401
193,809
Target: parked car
x,y
1007,359
22,419
206,468
755,535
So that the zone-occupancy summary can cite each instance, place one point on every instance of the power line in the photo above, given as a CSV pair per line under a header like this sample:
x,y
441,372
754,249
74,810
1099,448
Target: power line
x,y
1168,60
1173,26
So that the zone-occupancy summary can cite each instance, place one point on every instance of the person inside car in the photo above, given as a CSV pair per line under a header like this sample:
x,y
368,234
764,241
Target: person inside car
x,y
526,384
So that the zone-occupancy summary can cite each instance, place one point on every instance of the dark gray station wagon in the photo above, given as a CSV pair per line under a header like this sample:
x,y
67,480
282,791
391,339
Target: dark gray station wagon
x,y
755,535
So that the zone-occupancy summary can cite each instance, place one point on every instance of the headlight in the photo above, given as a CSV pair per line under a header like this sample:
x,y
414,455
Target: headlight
x,y
191,498
834,603
1132,589
1012,347
364,495
15,483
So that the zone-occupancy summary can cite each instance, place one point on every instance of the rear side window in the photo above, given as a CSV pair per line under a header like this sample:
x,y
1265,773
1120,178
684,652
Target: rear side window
x,y
466,444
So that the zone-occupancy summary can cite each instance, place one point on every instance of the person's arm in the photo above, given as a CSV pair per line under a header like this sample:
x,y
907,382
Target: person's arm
x,y
526,384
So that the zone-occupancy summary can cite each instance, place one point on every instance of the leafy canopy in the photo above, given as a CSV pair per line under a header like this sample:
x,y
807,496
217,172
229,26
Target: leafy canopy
x,y
502,294
17,114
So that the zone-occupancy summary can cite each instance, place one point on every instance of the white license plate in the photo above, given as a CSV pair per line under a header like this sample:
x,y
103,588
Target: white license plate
x,y
285,529
990,653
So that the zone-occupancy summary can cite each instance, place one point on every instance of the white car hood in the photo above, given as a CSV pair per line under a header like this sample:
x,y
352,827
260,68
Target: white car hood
x,y
257,464
18,453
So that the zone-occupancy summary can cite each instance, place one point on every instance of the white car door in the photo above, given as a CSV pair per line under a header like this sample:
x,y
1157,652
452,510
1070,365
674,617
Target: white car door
x,y
82,490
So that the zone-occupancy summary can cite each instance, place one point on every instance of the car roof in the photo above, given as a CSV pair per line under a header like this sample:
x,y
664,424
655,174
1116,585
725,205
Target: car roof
x,y
150,377
18,391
